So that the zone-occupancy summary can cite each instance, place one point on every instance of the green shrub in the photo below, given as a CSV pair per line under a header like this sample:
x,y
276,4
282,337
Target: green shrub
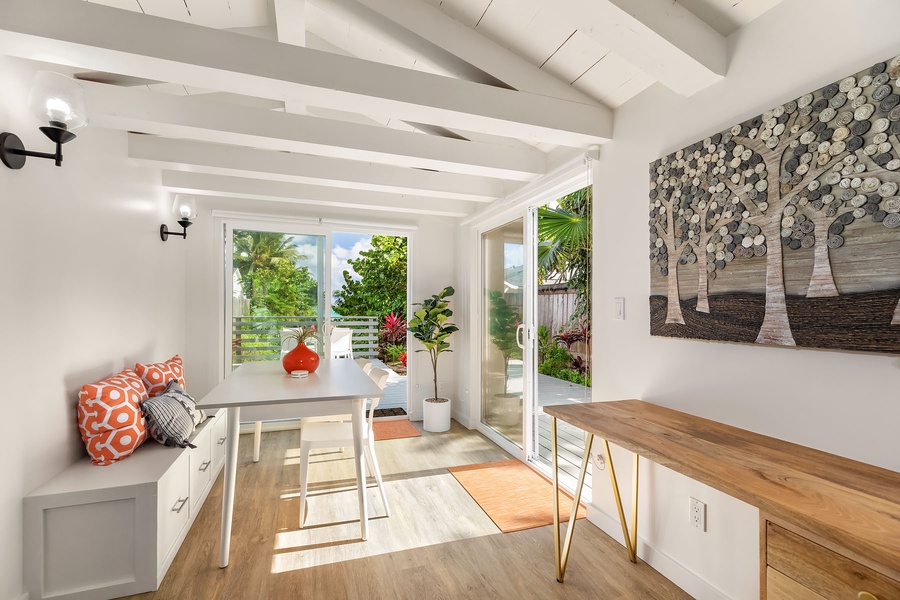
x,y
393,352
555,360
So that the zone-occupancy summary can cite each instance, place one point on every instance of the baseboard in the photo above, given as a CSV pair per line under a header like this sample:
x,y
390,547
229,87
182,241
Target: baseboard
x,y
687,580
463,420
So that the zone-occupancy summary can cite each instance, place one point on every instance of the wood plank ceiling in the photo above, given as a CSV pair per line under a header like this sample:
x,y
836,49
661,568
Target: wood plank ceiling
x,y
416,106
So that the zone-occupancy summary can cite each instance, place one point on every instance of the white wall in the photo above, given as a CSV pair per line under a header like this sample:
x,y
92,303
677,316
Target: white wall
x,y
87,289
432,248
841,402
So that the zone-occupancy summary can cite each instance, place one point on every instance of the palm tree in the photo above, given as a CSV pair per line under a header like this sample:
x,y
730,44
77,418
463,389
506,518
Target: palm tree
x,y
564,246
254,249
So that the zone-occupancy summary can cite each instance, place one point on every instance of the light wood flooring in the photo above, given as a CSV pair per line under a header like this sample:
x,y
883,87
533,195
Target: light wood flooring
x,y
437,544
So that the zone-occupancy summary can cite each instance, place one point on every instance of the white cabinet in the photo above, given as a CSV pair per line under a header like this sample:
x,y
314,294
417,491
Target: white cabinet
x,y
94,533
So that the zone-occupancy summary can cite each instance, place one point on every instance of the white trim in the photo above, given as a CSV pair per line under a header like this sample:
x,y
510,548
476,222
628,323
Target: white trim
x,y
383,228
687,580
232,214
556,183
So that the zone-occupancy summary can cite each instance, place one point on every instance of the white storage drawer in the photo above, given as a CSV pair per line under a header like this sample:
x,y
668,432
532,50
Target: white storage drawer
x,y
201,466
173,509
96,533
219,436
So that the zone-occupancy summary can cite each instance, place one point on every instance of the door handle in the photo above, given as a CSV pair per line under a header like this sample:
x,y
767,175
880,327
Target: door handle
x,y
520,329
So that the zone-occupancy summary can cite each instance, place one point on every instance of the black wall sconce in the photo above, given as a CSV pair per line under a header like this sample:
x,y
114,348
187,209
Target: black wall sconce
x,y
185,208
57,100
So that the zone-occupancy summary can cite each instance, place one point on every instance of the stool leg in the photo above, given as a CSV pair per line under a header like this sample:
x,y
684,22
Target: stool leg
x,y
373,460
304,481
257,434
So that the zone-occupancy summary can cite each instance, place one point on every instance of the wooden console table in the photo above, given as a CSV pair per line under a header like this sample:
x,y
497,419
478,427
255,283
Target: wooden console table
x,y
835,521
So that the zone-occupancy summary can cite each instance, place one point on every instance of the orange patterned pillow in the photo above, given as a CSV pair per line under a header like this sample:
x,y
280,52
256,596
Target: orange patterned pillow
x,y
157,376
110,418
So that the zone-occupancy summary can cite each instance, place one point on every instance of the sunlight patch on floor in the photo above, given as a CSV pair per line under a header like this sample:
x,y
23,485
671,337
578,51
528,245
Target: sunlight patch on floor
x,y
332,531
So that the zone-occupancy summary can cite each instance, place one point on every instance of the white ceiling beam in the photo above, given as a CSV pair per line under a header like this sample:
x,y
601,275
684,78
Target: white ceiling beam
x,y
290,27
470,46
219,159
411,41
660,37
194,117
86,35
256,189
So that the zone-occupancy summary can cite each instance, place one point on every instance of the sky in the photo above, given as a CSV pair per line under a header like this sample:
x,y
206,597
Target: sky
x,y
344,246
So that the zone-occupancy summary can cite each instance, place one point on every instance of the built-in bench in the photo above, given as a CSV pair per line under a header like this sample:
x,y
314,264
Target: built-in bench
x,y
93,533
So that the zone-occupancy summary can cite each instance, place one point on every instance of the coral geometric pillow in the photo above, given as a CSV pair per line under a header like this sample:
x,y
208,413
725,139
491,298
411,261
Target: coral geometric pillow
x,y
110,419
158,375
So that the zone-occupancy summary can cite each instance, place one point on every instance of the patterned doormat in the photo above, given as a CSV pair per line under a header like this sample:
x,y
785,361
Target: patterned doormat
x,y
513,494
389,412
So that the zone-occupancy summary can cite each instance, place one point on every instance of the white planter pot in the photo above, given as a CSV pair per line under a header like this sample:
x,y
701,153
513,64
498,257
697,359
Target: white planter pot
x,y
508,409
436,415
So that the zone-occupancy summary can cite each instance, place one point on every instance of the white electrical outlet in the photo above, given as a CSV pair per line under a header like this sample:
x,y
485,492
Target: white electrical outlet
x,y
698,514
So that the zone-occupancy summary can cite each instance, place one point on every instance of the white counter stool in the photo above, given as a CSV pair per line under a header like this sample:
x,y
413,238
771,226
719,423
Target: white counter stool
x,y
337,434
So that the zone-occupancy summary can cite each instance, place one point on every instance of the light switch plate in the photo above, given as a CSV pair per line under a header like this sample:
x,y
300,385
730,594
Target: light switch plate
x,y
620,309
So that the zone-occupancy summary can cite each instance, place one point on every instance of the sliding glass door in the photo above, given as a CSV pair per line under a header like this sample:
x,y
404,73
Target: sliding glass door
x,y
505,361
535,328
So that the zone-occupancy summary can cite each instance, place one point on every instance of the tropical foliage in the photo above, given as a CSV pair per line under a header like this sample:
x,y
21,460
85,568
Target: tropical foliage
x,y
429,325
269,275
381,286
564,247
502,324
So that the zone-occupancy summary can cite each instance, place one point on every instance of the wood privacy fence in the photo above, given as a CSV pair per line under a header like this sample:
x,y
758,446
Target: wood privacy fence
x,y
555,306
259,338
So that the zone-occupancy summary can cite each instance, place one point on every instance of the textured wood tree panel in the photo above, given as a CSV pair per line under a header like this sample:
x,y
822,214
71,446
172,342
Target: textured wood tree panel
x,y
785,229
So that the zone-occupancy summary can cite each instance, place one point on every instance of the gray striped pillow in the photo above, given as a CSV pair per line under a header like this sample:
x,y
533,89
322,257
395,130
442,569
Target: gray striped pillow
x,y
172,416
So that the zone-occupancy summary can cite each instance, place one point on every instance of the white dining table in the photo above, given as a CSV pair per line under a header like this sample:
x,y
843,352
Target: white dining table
x,y
263,391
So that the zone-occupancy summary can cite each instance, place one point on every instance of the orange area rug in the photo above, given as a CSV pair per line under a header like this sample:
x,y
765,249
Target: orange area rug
x,y
513,495
393,430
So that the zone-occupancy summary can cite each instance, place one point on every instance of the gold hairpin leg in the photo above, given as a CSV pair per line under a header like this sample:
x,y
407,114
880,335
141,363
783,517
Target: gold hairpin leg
x,y
630,538
562,552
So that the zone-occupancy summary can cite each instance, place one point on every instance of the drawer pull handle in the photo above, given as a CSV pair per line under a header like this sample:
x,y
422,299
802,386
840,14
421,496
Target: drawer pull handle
x,y
204,466
221,441
866,596
180,504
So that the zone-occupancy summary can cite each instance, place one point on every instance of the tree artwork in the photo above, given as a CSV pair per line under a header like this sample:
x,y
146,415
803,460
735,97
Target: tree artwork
x,y
785,223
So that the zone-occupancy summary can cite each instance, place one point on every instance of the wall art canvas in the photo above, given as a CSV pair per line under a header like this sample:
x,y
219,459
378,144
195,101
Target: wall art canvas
x,y
785,229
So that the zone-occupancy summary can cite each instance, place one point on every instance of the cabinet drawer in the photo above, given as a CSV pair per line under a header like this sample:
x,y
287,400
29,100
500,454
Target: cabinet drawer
x,y
781,587
173,510
219,435
823,571
201,466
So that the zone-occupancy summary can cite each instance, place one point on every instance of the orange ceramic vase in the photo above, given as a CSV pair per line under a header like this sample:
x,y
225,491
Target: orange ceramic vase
x,y
300,358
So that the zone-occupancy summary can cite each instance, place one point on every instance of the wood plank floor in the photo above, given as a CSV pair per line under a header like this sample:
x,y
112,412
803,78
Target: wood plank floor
x,y
436,544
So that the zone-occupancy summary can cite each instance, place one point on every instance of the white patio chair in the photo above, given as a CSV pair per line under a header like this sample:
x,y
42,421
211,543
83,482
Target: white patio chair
x,y
341,342
365,364
334,434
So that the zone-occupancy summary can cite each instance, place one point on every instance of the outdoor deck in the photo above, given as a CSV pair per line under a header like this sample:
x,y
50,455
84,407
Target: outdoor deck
x,y
395,390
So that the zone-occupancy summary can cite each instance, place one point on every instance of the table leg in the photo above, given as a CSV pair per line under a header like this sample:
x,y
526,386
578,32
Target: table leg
x,y
562,553
630,537
231,452
359,459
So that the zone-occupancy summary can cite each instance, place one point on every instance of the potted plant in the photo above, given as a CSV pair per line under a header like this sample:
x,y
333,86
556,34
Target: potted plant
x,y
301,358
429,325
502,324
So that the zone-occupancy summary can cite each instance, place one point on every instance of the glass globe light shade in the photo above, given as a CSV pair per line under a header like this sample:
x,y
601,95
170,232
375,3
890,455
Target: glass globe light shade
x,y
184,207
58,100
